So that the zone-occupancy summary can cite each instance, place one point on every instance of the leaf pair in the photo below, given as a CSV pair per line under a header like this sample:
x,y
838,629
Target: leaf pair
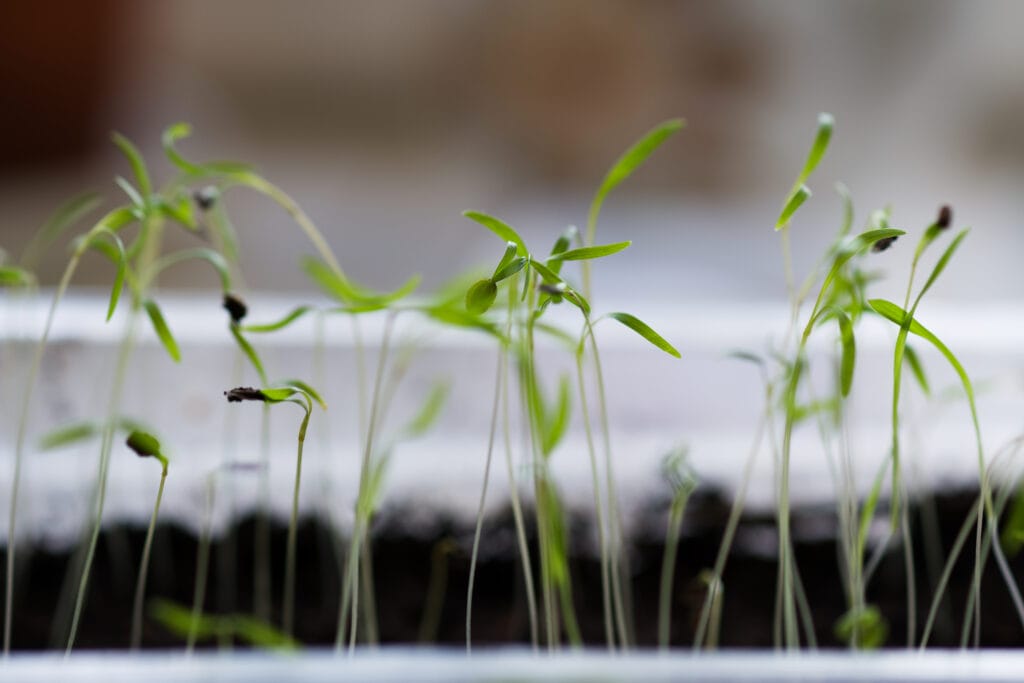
x,y
800,192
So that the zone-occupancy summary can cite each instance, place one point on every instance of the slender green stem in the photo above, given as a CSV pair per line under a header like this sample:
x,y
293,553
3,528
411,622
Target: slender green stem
x,y
351,588
618,559
19,448
140,585
120,372
730,527
675,524
520,524
366,583
288,609
202,567
261,598
602,538
498,381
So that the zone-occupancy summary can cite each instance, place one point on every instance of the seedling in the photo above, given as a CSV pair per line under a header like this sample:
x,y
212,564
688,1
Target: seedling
x,y
681,481
188,625
145,445
302,395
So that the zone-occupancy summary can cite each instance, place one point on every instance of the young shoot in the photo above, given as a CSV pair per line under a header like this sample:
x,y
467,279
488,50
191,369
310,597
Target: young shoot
x,y
145,445
682,481
302,395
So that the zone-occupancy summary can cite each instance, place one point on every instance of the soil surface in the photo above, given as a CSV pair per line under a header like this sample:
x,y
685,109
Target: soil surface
x,y
413,572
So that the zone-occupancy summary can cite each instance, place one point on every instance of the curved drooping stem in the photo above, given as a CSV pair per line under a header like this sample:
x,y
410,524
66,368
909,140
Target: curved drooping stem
x,y
140,585
289,569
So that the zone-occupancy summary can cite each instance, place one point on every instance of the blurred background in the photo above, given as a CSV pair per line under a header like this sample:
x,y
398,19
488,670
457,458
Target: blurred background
x,y
385,120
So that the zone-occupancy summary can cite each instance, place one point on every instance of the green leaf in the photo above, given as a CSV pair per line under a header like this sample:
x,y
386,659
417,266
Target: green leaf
x,y
217,218
179,621
562,244
250,353
162,331
557,421
171,135
940,265
847,200
114,250
133,195
916,368
138,165
481,296
891,311
64,217
509,269
863,628
587,253
261,634
429,411
630,161
821,139
794,202
849,354
511,249
799,193
278,394
339,287
499,228
549,276
284,322
69,435
13,276
457,316
1012,535
212,257
143,443
645,331
178,209
306,389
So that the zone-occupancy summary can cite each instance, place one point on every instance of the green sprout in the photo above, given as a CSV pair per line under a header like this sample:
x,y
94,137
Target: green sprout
x,y
145,445
682,481
302,395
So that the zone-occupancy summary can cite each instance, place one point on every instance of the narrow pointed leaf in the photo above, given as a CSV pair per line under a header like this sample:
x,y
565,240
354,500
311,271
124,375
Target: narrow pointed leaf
x,y
561,245
156,317
138,165
509,269
339,287
916,368
645,331
940,265
284,322
278,394
69,435
250,353
794,202
557,422
307,389
631,160
64,217
821,139
849,354
847,200
429,411
511,249
171,135
133,194
499,228
587,253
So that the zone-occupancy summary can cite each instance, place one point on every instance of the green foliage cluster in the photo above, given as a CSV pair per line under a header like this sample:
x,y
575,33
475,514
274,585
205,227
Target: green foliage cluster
x,y
511,306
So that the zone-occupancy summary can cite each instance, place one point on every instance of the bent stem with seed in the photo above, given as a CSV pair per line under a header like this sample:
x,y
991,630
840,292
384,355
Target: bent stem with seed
x,y
302,395
145,445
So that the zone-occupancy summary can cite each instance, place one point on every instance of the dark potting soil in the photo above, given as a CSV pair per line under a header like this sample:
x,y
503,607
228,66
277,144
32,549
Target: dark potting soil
x,y
413,572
